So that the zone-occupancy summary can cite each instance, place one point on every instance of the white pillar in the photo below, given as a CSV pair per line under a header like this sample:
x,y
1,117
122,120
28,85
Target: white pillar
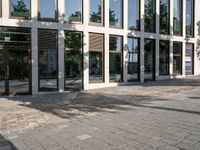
x,y
5,9
34,49
85,60
171,59
106,59
61,68
125,58
34,33
142,41
184,35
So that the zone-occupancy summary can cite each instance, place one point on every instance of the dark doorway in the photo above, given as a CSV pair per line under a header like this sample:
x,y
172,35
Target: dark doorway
x,y
149,60
15,72
73,60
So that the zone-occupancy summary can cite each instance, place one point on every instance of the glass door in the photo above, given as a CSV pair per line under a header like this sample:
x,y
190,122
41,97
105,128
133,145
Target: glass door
x,y
19,71
149,60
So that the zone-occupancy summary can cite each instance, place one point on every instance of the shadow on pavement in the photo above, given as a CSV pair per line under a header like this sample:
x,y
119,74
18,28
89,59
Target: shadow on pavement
x,y
6,144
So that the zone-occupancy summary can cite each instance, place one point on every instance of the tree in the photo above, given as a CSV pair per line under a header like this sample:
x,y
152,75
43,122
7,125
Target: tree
x,y
149,17
164,18
75,16
20,9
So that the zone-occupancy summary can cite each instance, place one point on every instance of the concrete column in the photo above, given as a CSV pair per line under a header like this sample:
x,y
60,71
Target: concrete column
x,y
157,58
171,59
61,11
142,41
106,13
171,39
184,35
125,15
125,58
5,9
142,59
34,40
61,68
171,17
85,60
86,7
106,59
157,39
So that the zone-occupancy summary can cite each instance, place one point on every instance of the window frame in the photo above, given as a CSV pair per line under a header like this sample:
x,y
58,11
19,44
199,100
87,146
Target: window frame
x,y
193,61
121,16
168,63
48,19
122,58
139,9
82,57
102,15
18,17
169,18
103,60
154,18
181,20
38,55
193,20
138,63
75,22
181,59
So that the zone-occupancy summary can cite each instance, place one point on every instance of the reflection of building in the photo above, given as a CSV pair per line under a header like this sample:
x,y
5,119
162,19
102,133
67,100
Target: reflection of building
x,y
95,48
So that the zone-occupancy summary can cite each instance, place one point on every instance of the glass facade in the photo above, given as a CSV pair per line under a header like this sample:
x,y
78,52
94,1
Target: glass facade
x,y
48,11
115,58
177,58
149,59
48,60
177,17
189,59
150,15
133,59
73,60
115,13
189,18
20,8
134,14
96,58
164,16
164,58
73,10
96,11
15,58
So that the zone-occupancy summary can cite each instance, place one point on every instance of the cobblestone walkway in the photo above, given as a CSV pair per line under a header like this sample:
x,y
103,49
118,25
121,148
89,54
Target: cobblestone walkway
x,y
155,115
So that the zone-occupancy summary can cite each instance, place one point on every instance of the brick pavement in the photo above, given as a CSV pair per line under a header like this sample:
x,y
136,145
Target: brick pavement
x,y
156,115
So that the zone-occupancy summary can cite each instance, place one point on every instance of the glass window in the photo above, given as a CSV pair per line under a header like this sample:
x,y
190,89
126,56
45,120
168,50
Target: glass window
x,y
96,58
48,60
73,60
73,10
150,16
20,8
164,58
134,14
177,58
115,58
48,10
189,18
189,59
115,13
177,17
149,59
164,16
133,59
96,11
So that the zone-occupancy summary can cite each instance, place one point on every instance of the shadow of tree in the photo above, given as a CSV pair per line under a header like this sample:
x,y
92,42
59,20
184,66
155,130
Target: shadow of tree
x,y
6,144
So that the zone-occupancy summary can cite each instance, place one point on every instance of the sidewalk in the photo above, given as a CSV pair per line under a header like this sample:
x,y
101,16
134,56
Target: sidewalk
x,y
154,115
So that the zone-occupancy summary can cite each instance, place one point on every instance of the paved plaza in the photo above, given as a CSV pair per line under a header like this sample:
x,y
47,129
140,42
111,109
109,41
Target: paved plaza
x,y
163,115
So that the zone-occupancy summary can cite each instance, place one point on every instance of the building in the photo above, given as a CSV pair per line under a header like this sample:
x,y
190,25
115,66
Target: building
x,y
58,45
